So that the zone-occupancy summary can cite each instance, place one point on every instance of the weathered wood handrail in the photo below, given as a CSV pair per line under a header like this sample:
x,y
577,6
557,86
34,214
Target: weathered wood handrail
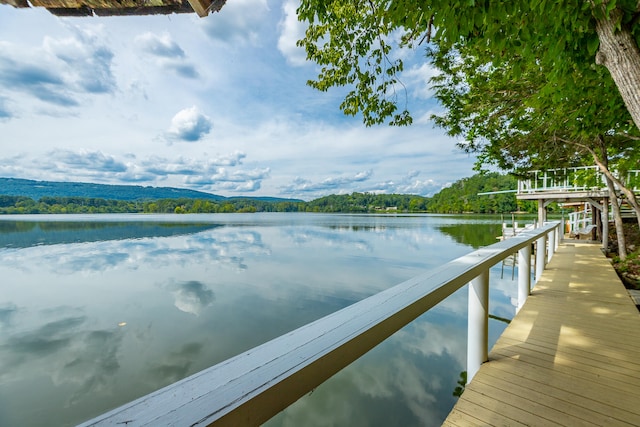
x,y
252,387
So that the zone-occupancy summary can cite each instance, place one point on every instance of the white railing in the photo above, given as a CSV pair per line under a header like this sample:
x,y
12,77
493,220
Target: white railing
x,y
584,178
633,180
513,230
580,220
252,387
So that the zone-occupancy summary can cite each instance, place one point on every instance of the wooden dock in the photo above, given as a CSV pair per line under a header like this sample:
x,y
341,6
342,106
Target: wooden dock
x,y
571,356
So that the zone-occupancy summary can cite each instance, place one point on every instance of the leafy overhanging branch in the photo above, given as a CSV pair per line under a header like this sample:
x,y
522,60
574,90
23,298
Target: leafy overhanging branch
x,y
540,31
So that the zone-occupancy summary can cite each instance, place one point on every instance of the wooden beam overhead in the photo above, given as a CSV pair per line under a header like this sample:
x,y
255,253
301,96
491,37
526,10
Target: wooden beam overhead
x,y
203,7
120,7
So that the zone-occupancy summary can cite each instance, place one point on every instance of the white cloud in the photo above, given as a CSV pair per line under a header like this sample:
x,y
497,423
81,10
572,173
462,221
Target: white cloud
x,y
214,173
59,72
189,125
159,45
408,184
95,161
291,30
301,185
417,78
238,23
166,53
236,181
88,60
5,112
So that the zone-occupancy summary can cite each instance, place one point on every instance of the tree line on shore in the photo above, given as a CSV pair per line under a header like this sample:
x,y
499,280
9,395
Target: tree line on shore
x,y
460,197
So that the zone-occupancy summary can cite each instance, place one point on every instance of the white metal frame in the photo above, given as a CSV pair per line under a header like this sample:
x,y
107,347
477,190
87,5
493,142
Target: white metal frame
x,y
566,180
252,387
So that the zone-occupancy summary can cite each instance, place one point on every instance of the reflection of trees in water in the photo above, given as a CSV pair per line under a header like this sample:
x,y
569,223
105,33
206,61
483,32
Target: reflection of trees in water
x,y
24,234
475,235
16,226
462,383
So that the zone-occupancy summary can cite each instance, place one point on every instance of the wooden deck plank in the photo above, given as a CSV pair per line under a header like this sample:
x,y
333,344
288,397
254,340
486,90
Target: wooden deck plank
x,y
529,406
599,401
611,393
589,355
546,369
481,408
575,361
569,357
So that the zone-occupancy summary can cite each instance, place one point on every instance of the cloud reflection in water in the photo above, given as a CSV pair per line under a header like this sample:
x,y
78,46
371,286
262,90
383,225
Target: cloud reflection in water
x,y
192,297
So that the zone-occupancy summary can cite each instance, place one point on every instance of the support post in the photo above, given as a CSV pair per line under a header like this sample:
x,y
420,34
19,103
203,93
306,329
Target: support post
x,y
558,237
524,275
478,324
542,212
605,224
552,244
541,256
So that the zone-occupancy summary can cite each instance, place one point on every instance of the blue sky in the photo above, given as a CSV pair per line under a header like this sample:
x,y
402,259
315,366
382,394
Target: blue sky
x,y
217,104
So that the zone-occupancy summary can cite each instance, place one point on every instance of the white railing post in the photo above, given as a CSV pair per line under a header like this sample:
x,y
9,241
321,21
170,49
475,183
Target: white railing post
x,y
478,324
524,275
559,235
541,256
552,244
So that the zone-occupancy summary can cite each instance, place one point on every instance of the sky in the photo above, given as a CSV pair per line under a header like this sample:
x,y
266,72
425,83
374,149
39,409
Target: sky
x,y
217,104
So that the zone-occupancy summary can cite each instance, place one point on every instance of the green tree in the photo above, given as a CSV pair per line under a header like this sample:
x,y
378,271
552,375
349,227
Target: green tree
x,y
351,40
465,195
524,123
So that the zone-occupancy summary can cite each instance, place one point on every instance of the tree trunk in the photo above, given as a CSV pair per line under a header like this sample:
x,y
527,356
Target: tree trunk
x,y
603,164
620,54
628,193
617,218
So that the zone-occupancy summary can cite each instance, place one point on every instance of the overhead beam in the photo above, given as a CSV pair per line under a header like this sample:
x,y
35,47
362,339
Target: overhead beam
x,y
203,7
594,203
563,195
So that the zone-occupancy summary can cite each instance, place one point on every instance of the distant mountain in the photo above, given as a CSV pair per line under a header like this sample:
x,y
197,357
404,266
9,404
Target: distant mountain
x,y
37,189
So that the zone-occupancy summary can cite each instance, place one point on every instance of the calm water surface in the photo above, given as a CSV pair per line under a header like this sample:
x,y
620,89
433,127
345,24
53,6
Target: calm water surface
x,y
98,310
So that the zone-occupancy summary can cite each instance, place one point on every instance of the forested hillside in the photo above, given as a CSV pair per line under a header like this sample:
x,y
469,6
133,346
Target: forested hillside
x,y
38,189
369,202
463,196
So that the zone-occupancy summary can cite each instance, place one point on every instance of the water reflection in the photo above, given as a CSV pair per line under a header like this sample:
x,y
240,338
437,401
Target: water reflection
x,y
91,322
6,315
94,367
24,234
224,249
192,297
328,237
42,342
405,381
176,365
472,235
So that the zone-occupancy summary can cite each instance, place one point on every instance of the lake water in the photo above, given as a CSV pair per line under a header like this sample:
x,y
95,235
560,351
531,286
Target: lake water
x,y
97,310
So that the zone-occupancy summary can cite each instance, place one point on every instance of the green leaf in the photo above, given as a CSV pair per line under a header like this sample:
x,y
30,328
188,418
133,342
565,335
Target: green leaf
x,y
592,44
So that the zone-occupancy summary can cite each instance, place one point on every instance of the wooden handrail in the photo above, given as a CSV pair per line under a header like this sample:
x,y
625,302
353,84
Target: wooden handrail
x,y
252,387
